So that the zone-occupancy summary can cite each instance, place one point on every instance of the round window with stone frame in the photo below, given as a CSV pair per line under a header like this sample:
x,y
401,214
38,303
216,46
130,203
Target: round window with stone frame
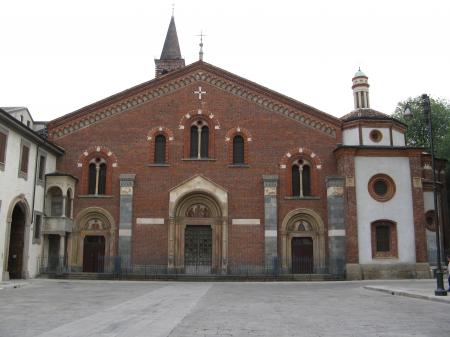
x,y
430,220
381,187
376,136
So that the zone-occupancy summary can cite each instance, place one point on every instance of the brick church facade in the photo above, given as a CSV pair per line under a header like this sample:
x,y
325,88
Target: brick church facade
x,y
200,170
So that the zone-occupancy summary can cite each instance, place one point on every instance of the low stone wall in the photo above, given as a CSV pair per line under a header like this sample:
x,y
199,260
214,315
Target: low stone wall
x,y
388,271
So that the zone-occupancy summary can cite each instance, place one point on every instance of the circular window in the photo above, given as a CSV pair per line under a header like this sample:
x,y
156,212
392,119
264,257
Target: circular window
x,y
381,187
430,220
375,136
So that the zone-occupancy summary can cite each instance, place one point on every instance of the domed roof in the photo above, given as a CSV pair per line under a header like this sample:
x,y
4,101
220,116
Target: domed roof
x,y
365,114
359,73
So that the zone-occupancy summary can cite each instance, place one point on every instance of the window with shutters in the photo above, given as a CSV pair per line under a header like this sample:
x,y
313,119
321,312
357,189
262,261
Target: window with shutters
x,y
384,239
24,158
3,140
41,172
37,228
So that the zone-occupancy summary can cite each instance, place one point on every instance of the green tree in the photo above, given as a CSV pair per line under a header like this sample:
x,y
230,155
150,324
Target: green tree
x,y
417,134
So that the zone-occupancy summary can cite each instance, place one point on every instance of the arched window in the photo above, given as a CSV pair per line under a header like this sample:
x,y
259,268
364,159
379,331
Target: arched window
x,y
204,140
199,145
295,181
97,176
102,179
92,178
69,204
301,178
56,201
160,149
238,150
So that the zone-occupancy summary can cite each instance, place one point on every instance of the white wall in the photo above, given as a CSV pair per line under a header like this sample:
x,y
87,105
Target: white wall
x,y
385,140
11,187
398,209
350,136
398,138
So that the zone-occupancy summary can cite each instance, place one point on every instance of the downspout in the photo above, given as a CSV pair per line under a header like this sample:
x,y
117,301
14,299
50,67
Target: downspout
x,y
34,185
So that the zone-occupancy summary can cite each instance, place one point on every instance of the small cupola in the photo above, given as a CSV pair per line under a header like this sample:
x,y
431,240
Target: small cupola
x,y
361,90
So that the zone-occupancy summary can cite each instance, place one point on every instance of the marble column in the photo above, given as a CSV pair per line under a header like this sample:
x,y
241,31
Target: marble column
x,y
126,219
271,222
336,225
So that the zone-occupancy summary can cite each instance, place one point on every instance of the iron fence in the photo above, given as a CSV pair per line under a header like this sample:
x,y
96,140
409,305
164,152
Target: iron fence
x,y
121,268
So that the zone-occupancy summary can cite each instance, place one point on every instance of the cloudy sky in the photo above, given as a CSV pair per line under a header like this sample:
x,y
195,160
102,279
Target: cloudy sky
x,y
58,56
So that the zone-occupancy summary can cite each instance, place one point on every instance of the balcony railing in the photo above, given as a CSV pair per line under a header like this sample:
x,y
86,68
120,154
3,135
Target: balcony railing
x,y
57,225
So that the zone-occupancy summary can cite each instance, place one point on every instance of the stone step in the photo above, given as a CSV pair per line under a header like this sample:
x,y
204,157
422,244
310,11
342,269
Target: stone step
x,y
192,278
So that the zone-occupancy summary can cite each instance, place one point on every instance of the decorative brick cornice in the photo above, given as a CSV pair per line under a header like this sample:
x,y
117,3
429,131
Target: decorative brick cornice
x,y
169,85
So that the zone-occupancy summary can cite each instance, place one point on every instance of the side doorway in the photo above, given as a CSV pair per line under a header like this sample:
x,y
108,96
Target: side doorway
x,y
302,255
94,254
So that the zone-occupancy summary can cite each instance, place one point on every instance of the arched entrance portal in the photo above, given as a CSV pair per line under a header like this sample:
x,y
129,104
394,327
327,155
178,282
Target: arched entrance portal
x,y
303,242
16,242
92,242
198,228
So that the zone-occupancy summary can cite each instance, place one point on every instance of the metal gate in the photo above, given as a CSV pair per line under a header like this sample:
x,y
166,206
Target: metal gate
x,y
198,249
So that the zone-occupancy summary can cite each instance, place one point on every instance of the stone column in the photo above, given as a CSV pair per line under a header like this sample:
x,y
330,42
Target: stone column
x,y
270,222
126,219
62,249
336,225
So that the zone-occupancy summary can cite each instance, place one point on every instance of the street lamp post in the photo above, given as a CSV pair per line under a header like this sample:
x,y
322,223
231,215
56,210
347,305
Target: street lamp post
x,y
440,291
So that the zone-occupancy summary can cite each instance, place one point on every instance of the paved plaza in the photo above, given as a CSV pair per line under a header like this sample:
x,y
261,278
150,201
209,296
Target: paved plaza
x,y
61,308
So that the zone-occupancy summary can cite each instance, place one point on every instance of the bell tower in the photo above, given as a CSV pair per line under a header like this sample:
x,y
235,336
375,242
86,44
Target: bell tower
x,y
170,56
361,90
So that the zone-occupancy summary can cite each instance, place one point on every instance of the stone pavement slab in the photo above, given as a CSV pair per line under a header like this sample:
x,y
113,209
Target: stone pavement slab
x,y
200,309
13,284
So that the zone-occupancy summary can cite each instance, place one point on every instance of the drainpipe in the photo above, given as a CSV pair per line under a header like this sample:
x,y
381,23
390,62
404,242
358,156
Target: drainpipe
x,y
35,183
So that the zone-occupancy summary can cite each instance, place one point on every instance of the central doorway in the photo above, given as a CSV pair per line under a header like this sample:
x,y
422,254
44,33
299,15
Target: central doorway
x,y
198,249
302,255
16,243
94,254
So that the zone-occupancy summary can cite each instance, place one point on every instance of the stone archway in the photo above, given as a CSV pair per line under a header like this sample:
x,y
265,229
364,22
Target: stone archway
x,y
17,237
97,223
303,223
198,204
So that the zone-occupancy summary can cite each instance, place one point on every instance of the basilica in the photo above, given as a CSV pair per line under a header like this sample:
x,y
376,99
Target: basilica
x,y
200,171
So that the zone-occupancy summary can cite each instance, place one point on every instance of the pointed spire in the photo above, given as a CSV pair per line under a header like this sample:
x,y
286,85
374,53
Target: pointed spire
x,y
170,56
171,49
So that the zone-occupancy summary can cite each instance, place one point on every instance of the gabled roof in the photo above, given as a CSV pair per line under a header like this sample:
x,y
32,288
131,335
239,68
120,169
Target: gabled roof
x,y
11,122
196,72
171,49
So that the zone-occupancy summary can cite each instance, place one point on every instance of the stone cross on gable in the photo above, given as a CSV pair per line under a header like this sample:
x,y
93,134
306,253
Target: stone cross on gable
x,y
199,92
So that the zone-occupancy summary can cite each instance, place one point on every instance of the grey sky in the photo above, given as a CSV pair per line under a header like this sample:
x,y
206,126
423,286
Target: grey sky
x,y
58,56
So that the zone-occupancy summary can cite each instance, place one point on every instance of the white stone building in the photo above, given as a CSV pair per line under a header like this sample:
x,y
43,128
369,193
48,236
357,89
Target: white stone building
x,y
25,159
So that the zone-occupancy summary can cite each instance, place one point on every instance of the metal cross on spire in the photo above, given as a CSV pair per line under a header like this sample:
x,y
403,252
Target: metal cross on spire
x,y
201,46
173,9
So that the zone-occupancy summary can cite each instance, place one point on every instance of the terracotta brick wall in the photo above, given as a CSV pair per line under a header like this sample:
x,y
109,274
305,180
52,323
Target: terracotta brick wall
x,y
125,134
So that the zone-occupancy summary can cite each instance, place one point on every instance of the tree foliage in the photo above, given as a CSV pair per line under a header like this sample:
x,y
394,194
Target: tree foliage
x,y
417,133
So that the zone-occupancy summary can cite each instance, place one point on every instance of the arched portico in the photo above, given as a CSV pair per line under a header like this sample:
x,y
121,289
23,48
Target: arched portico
x,y
195,206
303,223
17,238
98,226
